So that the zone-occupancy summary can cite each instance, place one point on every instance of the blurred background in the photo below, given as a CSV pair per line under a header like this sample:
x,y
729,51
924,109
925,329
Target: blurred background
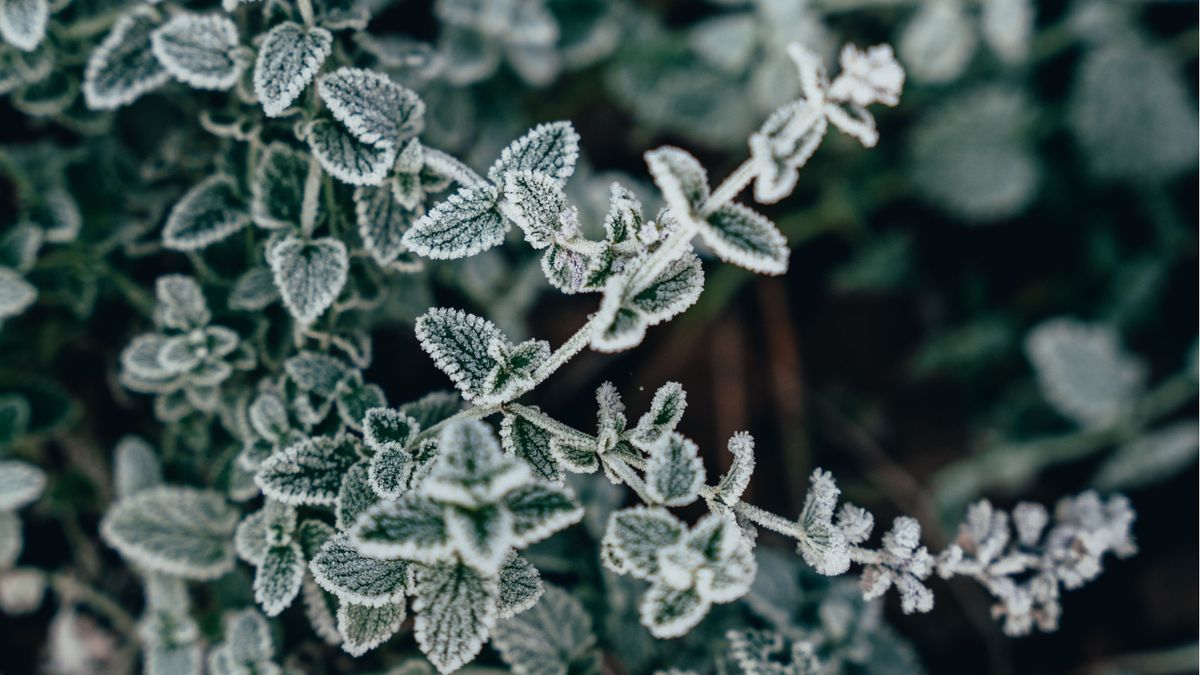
x,y
1037,184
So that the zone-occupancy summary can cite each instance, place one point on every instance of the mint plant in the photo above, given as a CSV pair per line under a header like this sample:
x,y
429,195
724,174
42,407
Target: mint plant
x,y
313,188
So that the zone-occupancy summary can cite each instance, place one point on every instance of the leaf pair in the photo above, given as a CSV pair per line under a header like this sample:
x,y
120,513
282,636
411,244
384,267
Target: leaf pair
x,y
470,221
481,362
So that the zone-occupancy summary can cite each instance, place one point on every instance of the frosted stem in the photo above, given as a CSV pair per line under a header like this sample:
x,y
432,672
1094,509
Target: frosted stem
x,y
628,476
731,187
306,11
768,520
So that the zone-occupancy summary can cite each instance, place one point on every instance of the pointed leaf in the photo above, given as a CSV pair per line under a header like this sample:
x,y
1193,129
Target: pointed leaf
x,y
277,191
364,628
463,225
521,438
208,213
123,66
373,108
539,511
634,536
747,239
175,530
288,59
667,408
538,205
411,528
670,613
674,473
458,343
520,586
549,149
309,275
482,536
382,222
456,609
23,22
200,50
309,472
277,580
357,579
681,178
549,638
345,157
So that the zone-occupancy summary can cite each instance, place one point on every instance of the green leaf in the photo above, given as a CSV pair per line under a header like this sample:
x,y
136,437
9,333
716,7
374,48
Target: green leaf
x,y
575,456
456,609
277,580
666,409
410,527
471,470
345,157
634,536
385,428
549,639
200,50
524,439
174,530
382,222
308,472
670,613
465,224
1151,458
315,372
539,511
458,343
354,400
123,66
364,628
390,471
277,191
23,22
208,213
682,180
482,536
549,149
288,60
357,579
520,586
355,496
309,275
373,108
538,203
746,238
674,472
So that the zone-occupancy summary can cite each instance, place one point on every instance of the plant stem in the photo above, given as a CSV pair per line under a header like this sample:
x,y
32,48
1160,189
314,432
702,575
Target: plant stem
x,y
306,11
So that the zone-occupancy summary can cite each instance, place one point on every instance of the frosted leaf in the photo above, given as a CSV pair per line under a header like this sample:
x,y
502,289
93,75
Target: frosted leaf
x,y
674,472
733,484
277,191
373,108
123,66
248,643
1083,371
277,580
382,222
20,484
624,316
207,213
254,290
938,43
681,178
1007,27
390,471
746,238
458,344
354,496
385,428
464,224
760,651
364,628
250,537
549,149
268,416
355,399
538,203
174,530
1132,113
309,472
456,609
520,586
1150,458
670,613
16,294
970,155
785,142
443,164
868,77
540,510
357,579
521,438
347,159
288,59
200,50
610,416
471,470
633,538
821,543
315,372
11,539
548,638
410,527
23,22
575,456
666,409
309,275
135,467
321,610
19,246
482,536
855,523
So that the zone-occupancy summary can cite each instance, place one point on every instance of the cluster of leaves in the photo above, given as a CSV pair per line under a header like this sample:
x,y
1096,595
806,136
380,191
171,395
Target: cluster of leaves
x,y
322,188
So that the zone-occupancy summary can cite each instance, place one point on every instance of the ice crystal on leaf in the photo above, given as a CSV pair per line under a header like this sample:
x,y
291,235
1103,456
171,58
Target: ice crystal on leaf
x,y
123,66
200,50
288,60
